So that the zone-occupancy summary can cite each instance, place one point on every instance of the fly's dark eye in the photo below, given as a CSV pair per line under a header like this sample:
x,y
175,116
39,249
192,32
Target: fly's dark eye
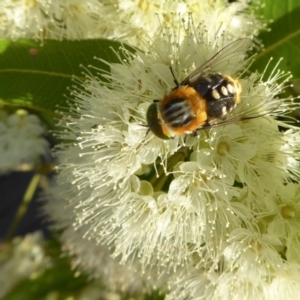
x,y
154,123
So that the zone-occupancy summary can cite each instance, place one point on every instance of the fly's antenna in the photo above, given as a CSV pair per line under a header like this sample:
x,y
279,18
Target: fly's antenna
x,y
175,80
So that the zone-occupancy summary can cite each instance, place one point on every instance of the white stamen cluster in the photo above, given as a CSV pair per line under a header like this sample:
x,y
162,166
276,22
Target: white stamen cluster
x,y
46,19
22,143
23,258
207,206
126,20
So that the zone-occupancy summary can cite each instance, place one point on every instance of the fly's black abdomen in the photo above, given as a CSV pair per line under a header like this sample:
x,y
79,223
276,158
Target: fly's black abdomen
x,y
177,113
220,93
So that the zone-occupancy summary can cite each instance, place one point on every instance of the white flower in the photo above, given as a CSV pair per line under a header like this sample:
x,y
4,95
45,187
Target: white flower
x,y
87,255
285,285
24,258
202,285
249,253
292,248
138,19
126,20
22,141
271,160
182,201
114,153
228,150
251,268
59,19
285,211
24,18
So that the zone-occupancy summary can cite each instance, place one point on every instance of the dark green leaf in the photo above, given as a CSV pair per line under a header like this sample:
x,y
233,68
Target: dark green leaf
x,y
284,38
37,76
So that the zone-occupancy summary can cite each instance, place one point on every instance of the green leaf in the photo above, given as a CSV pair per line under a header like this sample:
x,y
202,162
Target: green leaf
x,y
37,76
284,38
274,10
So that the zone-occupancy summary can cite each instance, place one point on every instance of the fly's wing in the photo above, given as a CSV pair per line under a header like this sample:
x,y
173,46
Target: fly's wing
x,y
255,107
227,60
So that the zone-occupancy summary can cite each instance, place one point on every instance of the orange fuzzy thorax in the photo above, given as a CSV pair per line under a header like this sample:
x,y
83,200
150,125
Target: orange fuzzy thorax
x,y
197,106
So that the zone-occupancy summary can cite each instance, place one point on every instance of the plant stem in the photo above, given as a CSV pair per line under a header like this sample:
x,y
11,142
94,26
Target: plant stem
x,y
31,189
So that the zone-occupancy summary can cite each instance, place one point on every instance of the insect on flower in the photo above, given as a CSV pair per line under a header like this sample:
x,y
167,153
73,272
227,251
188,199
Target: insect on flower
x,y
204,99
